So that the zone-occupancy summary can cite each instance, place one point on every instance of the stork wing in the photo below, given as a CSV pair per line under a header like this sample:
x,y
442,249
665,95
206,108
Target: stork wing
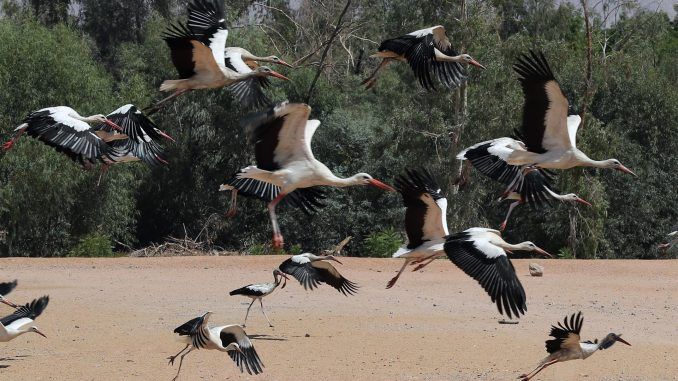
x,y
29,311
425,216
326,273
248,360
56,128
191,327
312,274
206,20
450,74
491,159
535,187
566,334
190,55
7,287
545,110
474,254
249,93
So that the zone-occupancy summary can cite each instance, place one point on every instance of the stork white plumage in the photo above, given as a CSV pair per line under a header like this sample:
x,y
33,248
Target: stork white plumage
x,y
481,254
65,130
425,220
6,288
258,291
311,270
228,338
428,52
566,346
285,162
548,134
20,321
197,52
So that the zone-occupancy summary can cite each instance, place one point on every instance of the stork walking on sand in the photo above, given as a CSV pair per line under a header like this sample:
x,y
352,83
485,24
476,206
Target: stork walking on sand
x,y
566,346
21,320
228,338
311,270
285,162
259,290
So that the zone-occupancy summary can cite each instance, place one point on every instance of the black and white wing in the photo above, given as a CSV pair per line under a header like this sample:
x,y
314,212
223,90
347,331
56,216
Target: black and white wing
x,y
425,216
488,264
56,127
247,360
545,120
249,92
26,313
195,329
312,274
534,186
566,334
491,159
7,287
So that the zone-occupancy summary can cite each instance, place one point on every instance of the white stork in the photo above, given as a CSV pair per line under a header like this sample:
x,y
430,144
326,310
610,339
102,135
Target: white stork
x,y
535,190
243,62
673,239
427,51
548,134
481,254
425,220
311,270
258,291
20,321
228,338
565,345
197,52
285,162
66,131
6,288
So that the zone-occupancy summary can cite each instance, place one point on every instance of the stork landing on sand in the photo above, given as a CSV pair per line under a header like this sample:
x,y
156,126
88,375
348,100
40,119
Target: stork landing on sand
x,y
20,321
565,344
258,291
285,162
312,270
428,52
228,338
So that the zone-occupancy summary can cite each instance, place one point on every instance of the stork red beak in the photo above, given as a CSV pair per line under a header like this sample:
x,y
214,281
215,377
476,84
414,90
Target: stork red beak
x,y
164,135
623,341
40,333
543,252
336,260
380,185
626,170
113,125
281,62
278,75
582,201
7,302
476,63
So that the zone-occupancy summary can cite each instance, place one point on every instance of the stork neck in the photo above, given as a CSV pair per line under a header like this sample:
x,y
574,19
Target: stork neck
x,y
342,182
440,56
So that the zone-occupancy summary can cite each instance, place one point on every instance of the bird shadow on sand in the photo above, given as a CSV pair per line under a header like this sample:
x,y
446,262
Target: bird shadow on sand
x,y
266,337
11,358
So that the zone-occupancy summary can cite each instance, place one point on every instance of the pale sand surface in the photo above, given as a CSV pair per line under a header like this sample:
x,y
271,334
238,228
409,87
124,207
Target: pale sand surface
x,y
112,319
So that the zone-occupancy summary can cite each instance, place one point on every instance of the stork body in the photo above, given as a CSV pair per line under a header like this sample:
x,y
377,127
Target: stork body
x,y
285,162
229,338
21,320
311,270
425,220
481,254
6,288
429,52
565,345
258,291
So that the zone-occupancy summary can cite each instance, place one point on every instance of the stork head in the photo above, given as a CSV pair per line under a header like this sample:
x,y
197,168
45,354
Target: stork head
x,y
610,339
529,246
571,197
100,118
467,59
332,258
366,179
615,164
277,273
276,60
265,71
36,330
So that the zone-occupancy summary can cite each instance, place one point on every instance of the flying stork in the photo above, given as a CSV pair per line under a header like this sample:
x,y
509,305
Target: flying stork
x,y
258,291
197,52
481,254
66,131
427,51
285,162
548,134
228,338
6,288
425,220
565,345
243,62
311,270
20,321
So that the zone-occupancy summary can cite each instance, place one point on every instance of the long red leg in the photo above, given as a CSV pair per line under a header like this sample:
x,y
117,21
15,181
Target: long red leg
x,y
10,143
150,110
372,79
513,205
233,210
278,241
104,170
393,280
527,377
426,261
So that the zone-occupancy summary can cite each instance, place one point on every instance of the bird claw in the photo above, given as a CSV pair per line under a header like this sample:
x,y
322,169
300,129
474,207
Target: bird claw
x,y
171,360
391,283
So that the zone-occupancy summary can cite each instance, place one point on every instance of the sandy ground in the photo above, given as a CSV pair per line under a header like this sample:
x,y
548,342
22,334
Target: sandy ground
x,y
112,319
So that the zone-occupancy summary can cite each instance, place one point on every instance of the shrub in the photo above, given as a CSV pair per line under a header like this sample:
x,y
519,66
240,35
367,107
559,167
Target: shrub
x,y
93,245
383,244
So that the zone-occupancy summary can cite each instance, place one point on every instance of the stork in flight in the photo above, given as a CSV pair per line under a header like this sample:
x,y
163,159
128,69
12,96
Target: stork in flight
x,y
6,288
63,129
428,52
481,254
21,320
228,338
425,220
258,291
565,345
311,270
197,52
548,134
285,162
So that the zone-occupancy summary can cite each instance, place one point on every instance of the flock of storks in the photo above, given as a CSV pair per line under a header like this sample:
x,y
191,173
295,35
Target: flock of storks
x,y
286,171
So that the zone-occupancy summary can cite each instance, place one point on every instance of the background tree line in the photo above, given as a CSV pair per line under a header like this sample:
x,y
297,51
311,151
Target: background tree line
x,y
97,55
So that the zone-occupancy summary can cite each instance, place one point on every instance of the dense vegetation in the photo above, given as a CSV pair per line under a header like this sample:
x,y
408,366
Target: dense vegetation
x,y
95,56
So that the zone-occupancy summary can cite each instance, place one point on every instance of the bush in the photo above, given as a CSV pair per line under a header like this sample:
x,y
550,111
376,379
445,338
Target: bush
x,y
93,245
383,244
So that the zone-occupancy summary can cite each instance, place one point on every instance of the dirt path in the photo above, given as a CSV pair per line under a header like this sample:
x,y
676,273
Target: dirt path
x,y
112,319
